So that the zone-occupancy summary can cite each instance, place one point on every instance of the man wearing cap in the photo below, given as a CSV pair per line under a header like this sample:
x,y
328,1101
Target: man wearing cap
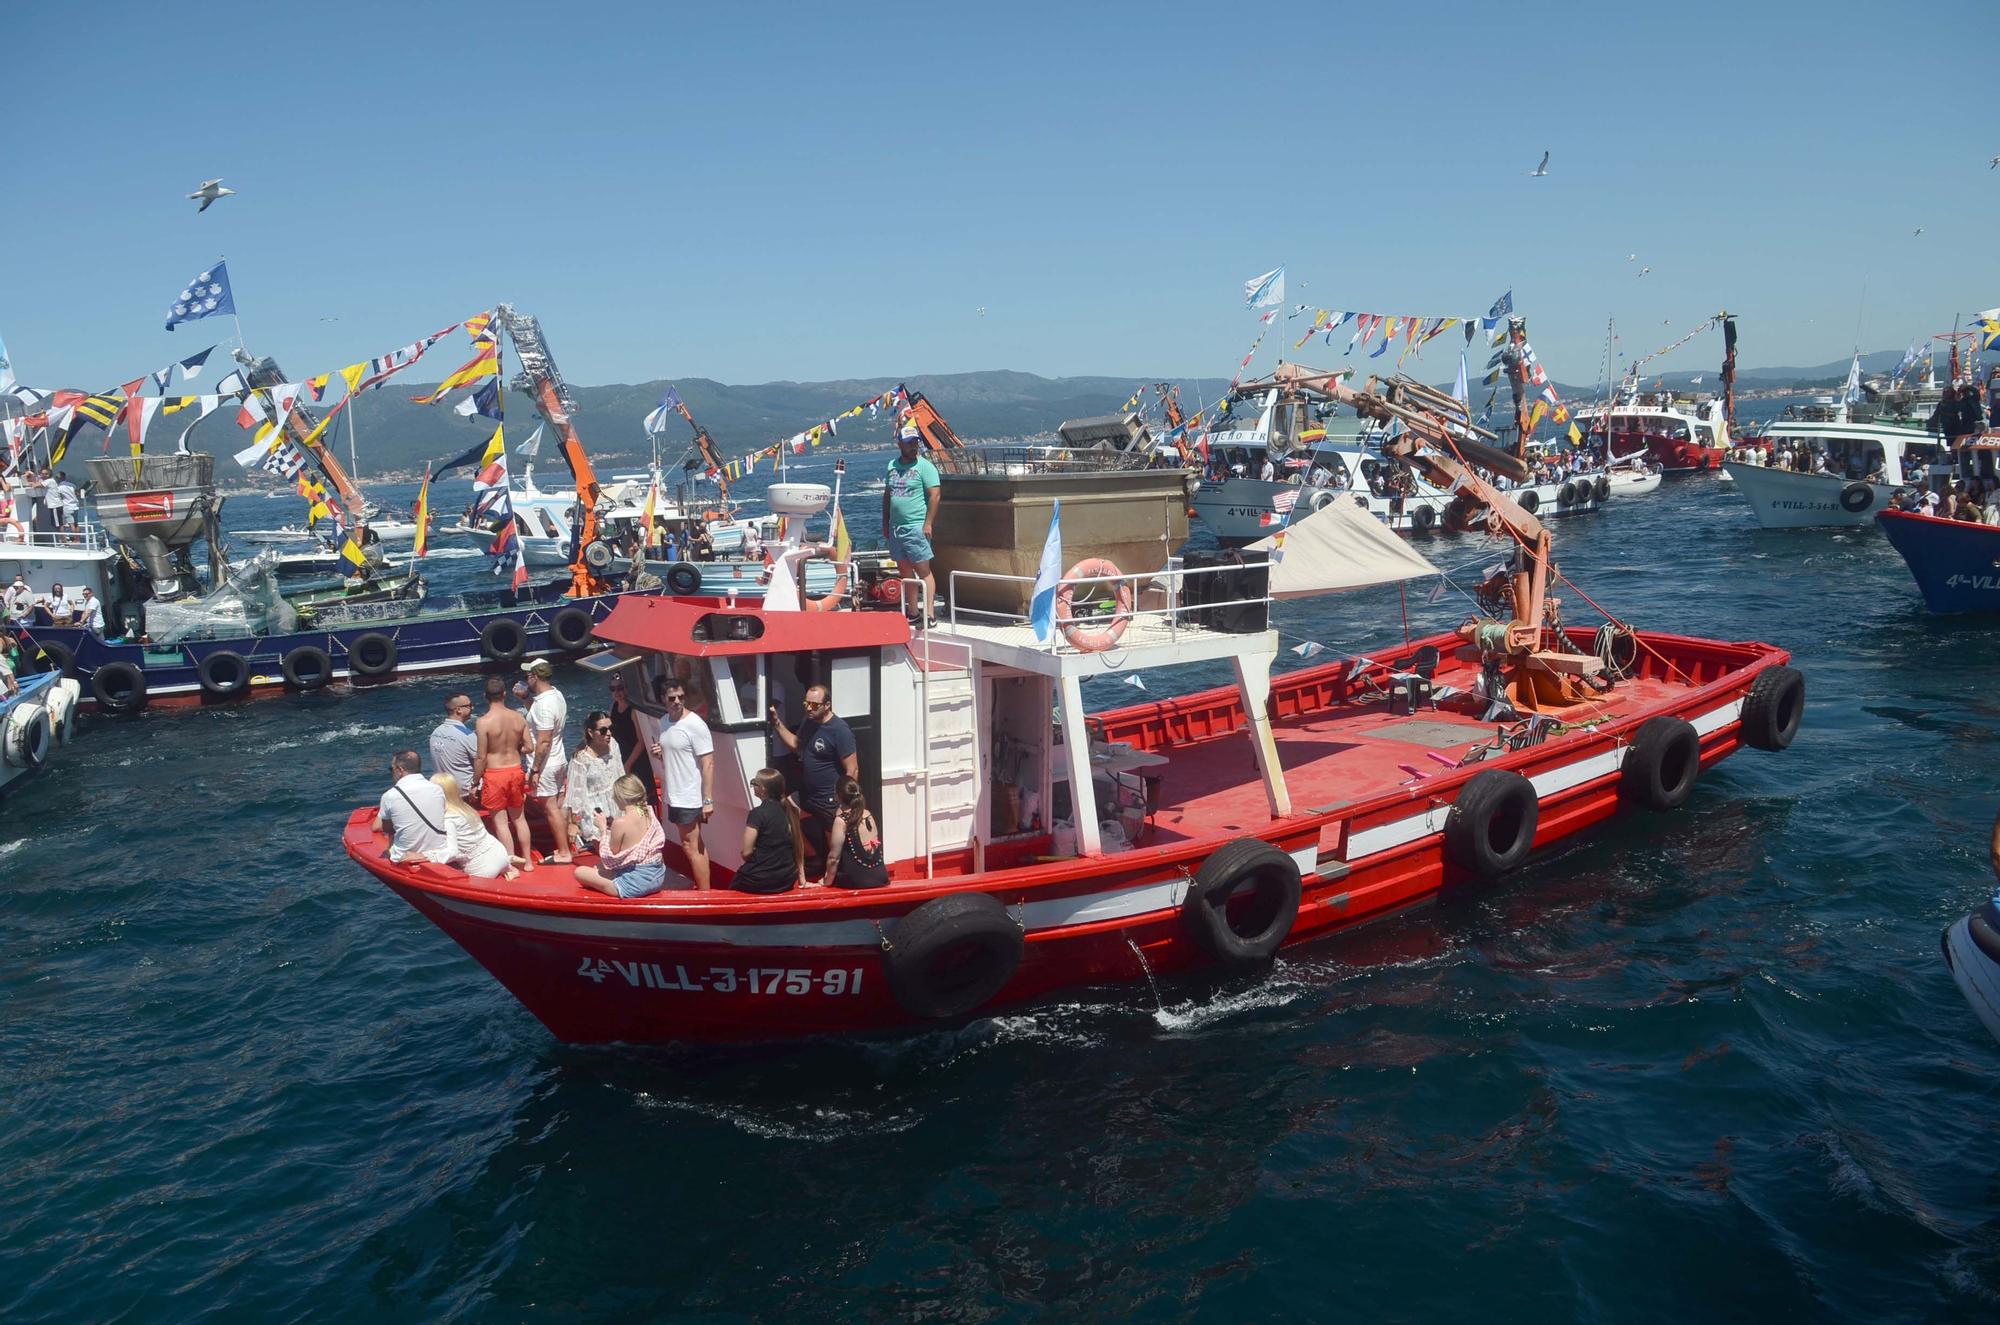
x,y
548,712
909,512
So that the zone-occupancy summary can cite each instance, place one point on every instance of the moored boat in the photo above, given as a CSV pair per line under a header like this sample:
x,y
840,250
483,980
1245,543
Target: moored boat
x,y
1208,830
1956,564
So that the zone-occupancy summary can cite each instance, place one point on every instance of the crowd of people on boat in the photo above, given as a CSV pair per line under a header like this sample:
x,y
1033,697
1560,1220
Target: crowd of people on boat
x,y
1970,502
646,765
21,605
37,501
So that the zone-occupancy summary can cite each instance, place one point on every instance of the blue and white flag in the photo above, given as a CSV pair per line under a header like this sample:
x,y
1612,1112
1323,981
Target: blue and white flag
x,y
6,369
1310,649
658,418
531,448
485,401
1266,291
1042,607
1502,307
1854,379
205,296
1460,391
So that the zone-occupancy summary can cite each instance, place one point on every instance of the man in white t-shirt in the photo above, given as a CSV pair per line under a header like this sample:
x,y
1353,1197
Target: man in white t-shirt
x,y
687,764
548,763
412,813
89,613
19,597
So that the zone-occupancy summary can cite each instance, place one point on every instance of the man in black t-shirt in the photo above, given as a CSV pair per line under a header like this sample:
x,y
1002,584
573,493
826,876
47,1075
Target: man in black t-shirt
x,y
825,746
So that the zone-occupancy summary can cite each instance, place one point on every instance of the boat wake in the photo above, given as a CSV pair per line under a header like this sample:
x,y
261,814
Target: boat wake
x,y
806,1123
1194,1016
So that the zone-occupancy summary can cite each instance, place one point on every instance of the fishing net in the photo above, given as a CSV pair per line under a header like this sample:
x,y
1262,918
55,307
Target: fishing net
x,y
246,603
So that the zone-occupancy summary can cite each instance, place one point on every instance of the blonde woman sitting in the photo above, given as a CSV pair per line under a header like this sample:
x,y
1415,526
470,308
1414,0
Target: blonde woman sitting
x,y
631,847
473,849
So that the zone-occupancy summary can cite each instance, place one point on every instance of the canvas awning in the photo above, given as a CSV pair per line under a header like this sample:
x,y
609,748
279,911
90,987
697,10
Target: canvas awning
x,y
1340,546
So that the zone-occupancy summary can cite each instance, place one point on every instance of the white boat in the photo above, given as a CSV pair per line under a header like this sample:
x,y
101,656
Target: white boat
x,y
35,720
1633,480
1866,462
1972,953
542,519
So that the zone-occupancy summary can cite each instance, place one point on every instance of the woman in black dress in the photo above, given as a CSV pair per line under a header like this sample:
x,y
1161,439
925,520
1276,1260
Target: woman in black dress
x,y
774,850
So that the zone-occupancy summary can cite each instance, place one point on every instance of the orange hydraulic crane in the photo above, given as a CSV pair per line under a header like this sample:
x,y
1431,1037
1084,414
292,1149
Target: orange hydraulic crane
x,y
540,379
704,444
938,437
299,426
1439,441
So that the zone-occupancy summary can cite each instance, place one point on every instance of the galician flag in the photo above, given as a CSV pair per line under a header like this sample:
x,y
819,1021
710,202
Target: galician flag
x,y
1266,291
1042,607
1460,391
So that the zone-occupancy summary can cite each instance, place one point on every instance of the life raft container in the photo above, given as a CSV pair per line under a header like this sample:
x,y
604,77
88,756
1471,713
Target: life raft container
x,y
1491,827
951,955
1242,902
1092,640
27,737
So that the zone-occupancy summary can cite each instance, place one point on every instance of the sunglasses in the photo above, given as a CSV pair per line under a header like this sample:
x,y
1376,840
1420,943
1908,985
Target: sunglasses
x,y
600,731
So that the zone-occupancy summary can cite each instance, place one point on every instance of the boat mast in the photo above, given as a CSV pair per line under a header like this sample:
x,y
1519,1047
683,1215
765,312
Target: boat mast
x,y
540,378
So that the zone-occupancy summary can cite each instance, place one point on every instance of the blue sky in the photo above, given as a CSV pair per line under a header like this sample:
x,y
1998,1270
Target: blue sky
x,y
758,192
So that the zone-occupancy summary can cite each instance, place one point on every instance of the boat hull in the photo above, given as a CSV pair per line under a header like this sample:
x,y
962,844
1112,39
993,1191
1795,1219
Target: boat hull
x,y
1788,499
1972,953
1627,483
720,966
431,642
1956,565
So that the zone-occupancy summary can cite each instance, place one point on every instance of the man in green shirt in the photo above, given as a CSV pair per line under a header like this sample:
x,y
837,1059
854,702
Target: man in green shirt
x,y
909,511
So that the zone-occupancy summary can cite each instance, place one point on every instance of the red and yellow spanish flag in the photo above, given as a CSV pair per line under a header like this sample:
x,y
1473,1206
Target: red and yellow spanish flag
x,y
423,514
843,546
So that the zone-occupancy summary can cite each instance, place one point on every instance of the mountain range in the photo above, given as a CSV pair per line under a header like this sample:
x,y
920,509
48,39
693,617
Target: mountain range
x,y
392,434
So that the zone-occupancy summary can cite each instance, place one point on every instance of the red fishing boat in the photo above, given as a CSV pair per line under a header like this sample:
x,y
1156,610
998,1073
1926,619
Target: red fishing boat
x,y
1029,857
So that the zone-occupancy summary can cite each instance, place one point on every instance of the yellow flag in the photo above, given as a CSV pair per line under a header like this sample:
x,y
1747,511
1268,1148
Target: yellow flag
x,y
1535,419
352,551
496,449
352,375
843,546
1575,437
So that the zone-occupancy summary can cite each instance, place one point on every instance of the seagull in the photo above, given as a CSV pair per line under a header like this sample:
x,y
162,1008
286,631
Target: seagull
x,y
1631,257
1919,231
982,310
1543,168
1994,163
210,190
1644,270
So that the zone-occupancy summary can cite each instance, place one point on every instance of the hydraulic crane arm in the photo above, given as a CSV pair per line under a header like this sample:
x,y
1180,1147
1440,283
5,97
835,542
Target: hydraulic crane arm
x,y
540,379
300,427
938,437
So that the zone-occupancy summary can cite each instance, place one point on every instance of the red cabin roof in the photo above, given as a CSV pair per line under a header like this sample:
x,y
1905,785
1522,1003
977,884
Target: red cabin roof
x,y
671,625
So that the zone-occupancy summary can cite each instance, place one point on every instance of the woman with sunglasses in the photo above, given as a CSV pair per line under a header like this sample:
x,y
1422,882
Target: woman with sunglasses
x,y
592,770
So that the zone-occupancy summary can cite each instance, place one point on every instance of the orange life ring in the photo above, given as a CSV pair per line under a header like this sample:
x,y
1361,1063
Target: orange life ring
x,y
1092,641
830,601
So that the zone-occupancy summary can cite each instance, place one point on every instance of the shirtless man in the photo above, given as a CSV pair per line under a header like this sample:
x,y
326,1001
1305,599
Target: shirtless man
x,y
496,765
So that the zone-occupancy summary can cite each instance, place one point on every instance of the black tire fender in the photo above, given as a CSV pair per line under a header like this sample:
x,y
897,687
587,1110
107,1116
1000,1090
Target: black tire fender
x,y
1602,488
1774,708
372,655
1242,902
1856,497
1567,495
1528,500
571,630
503,640
1422,518
1663,764
119,687
951,955
684,579
223,673
1491,827
307,667
60,660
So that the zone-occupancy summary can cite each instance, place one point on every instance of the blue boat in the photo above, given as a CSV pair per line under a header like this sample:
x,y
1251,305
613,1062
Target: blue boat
x,y
480,630
1956,563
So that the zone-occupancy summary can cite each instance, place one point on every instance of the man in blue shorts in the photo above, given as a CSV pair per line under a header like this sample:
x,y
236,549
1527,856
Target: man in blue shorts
x,y
909,510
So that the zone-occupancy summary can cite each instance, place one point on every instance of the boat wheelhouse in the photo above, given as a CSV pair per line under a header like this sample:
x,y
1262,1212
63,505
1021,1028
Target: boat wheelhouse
x,y
1030,855
1678,437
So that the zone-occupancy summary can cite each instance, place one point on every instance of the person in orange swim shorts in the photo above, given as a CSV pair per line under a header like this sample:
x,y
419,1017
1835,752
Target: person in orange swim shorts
x,y
503,782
